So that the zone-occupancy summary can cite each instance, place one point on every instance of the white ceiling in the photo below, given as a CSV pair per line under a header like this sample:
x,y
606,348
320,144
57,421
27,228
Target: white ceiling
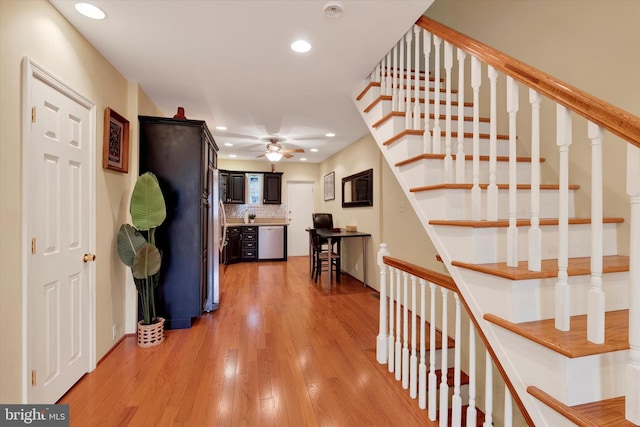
x,y
229,63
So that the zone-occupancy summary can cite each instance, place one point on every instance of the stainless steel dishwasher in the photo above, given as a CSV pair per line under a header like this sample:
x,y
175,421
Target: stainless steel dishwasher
x,y
271,242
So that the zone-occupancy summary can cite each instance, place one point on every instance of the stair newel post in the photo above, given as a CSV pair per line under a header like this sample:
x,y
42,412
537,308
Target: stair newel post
x,y
401,75
488,390
413,360
472,412
426,47
444,385
632,405
398,356
408,122
433,380
405,331
508,407
416,89
562,318
492,190
448,160
460,154
437,149
394,91
456,400
596,297
383,339
422,367
512,232
476,197
391,338
535,234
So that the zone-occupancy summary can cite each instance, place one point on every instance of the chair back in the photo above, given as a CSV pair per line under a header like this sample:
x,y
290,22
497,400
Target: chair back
x,y
322,220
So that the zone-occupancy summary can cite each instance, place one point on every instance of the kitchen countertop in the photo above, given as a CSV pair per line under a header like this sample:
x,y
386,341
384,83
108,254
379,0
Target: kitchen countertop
x,y
258,222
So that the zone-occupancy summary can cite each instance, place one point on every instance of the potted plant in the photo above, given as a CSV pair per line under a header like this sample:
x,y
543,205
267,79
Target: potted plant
x,y
137,250
252,217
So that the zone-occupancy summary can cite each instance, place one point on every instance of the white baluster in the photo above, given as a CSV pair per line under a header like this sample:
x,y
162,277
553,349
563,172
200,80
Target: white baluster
x,y
472,412
476,198
398,355
444,386
416,105
492,190
388,71
413,361
433,384
401,72
383,340
508,407
448,160
535,234
383,77
405,331
391,338
408,122
595,300
632,401
422,368
456,400
512,232
488,391
562,286
460,159
394,96
437,149
426,46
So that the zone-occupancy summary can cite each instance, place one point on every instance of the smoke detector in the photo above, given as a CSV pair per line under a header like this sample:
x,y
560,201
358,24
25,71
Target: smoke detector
x,y
333,9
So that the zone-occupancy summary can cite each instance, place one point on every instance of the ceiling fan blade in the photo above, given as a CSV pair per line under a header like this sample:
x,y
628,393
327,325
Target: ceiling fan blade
x,y
293,150
286,156
261,155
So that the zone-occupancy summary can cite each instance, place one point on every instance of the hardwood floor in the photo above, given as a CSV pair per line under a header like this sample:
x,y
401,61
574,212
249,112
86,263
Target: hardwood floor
x,y
280,351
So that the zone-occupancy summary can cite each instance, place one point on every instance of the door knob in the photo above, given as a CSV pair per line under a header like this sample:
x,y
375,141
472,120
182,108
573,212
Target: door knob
x,y
88,257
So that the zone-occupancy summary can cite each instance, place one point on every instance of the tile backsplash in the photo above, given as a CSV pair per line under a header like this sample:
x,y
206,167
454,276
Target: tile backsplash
x,y
261,211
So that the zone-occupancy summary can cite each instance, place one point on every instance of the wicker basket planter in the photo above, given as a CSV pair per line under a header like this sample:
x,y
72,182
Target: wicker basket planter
x,y
151,335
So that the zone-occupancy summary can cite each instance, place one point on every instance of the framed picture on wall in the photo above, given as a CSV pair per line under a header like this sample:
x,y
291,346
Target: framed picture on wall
x,y
329,186
115,145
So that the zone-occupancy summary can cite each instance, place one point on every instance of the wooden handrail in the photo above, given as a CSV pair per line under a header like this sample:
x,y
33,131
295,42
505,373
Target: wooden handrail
x,y
615,120
447,282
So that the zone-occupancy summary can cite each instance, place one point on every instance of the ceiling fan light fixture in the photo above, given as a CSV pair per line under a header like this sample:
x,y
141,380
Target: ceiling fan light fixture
x,y
273,156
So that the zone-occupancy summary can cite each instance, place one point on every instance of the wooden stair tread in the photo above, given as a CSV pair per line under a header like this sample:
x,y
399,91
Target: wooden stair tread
x,y
519,223
464,377
549,267
392,114
420,132
604,413
420,100
572,343
404,86
468,157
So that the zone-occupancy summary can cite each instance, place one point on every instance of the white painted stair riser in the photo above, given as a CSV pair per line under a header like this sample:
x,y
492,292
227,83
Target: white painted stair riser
x,y
487,245
396,124
455,204
534,299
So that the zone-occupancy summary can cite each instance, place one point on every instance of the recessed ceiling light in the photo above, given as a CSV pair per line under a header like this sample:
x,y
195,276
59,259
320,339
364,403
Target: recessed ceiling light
x,y
314,150
90,11
333,9
303,159
221,127
228,144
301,46
233,156
330,135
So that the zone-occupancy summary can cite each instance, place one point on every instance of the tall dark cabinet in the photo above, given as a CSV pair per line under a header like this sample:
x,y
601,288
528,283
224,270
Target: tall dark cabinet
x,y
182,154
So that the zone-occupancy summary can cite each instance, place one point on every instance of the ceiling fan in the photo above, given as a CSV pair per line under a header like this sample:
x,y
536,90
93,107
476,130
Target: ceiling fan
x,y
274,150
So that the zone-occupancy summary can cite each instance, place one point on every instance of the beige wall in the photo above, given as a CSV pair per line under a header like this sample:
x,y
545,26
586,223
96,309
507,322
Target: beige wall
x,y
35,29
591,45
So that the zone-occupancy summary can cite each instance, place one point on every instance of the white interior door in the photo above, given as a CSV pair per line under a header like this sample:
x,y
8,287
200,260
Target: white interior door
x,y
60,231
300,203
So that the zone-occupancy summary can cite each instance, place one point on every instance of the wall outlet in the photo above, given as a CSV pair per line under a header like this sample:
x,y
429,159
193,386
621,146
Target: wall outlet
x,y
114,332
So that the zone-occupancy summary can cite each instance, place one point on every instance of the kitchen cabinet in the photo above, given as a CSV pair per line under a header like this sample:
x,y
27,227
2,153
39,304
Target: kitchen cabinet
x,y
249,243
272,188
232,252
182,155
231,185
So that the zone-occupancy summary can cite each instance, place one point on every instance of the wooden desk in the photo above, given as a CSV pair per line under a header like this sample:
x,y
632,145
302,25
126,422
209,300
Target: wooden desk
x,y
331,235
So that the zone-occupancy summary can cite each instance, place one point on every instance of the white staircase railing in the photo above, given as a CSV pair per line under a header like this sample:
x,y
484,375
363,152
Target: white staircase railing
x,y
401,80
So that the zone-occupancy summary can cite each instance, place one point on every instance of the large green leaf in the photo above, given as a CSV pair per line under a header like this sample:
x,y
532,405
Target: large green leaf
x,y
147,208
130,241
146,262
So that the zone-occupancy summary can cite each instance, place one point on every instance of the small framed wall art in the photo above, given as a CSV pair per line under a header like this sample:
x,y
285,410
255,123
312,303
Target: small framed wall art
x,y
115,146
329,186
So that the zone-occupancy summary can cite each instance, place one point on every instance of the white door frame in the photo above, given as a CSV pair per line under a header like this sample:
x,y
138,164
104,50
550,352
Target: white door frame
x,y
30,71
